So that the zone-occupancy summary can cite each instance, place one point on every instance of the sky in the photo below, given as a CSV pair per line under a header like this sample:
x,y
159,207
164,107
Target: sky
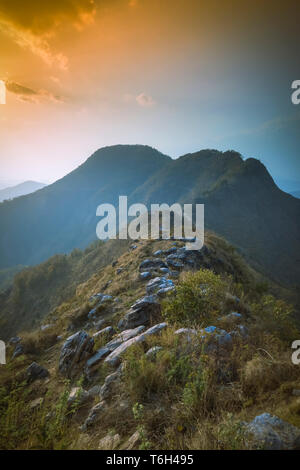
x,y
179,75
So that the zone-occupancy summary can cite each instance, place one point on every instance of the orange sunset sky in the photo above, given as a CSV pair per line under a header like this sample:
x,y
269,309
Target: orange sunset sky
x,y
177,75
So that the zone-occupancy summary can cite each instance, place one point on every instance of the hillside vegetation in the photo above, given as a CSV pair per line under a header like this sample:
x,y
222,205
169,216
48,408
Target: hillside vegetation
x,y
186,367
37,290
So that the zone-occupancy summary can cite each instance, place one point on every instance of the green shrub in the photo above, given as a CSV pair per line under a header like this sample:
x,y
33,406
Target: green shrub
x,y
276,317
198,299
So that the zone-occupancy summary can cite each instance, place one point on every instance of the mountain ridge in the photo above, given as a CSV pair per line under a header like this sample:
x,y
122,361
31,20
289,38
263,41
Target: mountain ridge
x,y
21,189
242,201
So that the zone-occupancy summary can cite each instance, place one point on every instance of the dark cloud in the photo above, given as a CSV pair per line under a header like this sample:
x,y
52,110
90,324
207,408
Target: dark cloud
x,y
28,94
40,17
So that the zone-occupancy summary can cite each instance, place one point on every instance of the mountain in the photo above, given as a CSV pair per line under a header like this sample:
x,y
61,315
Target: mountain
x,y
242,203
296,194
20,190
62,216
112,367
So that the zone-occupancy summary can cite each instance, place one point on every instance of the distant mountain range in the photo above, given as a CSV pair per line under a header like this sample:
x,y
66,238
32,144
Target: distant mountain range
x,y
21,189
242,203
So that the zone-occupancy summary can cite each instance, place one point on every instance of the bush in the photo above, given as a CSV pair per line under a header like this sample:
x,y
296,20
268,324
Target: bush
x,y
276,317
198,299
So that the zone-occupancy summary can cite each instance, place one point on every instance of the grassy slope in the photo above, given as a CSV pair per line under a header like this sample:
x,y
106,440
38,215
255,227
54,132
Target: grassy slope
x,y
259,384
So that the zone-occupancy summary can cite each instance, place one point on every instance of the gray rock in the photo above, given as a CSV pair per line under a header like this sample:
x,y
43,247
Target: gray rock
x,y
164,270
124,336
93,361
141,313
174,263
171,250
133,442
128,334
233,317
19,350
35,372
46,327
102,300
272,433
165,290
186,331
14,340
97,296
132,247
158,253
114,357
95,415
78,395
153,284
145,275
94,391
174,274
76,349
212,337
109,384
152,264
155,329
159,283
109,442
37,403
296,392
243,330
107,332
151,353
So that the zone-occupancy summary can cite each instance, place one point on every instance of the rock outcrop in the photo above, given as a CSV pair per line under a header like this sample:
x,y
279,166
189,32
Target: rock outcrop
x,y
76,349
142,312
272,433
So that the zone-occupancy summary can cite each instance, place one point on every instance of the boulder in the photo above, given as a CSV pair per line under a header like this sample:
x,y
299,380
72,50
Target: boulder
x,y
78,395
115,357
174,263
152,264
165,290
107,332
269,432
35,372
19,350
76,349
158,253
96,358
109,384
155,329
187,333
133,442
159,283
142,312
14,340
109,442
145,275
94,415
164,270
